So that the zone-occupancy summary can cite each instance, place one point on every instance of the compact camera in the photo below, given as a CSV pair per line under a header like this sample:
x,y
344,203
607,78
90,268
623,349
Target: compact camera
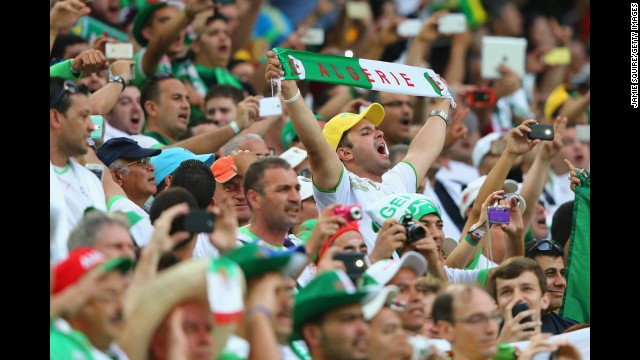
x,y
414,231
349,212
498,215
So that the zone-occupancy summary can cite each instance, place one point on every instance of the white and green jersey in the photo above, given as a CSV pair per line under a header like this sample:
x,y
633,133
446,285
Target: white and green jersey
x,y
140,226
352,189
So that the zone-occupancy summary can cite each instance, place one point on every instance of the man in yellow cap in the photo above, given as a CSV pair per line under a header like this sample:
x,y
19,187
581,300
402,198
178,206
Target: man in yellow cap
x,y
349,157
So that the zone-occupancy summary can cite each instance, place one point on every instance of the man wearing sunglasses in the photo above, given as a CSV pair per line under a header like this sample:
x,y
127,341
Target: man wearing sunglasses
x,y
72,187
549,255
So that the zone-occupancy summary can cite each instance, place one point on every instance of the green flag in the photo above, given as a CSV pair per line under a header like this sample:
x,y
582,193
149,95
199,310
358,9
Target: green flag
x,y
576,304
362,73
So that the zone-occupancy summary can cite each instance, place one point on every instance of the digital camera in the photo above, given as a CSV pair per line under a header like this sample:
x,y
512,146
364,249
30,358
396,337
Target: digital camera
x,y
414,231
349,212
498,215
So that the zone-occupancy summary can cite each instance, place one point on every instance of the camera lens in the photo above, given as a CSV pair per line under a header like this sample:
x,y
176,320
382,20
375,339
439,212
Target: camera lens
x,y
415,233
355,213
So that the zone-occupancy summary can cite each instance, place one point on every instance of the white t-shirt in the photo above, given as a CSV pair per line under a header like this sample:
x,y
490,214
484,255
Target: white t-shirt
x,y
352,189
72,189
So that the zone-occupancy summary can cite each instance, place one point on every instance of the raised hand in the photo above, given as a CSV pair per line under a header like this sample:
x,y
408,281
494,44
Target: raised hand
x,y
224,236
66,13
325,228
512,330
392,236
573,175
551,148
458,130
515,227
248,111
353,106
90,61
429,30
517,141
508,83
160,239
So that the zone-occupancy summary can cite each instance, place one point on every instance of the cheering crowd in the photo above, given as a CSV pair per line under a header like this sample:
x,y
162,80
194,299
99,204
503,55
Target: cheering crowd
x,y
208,202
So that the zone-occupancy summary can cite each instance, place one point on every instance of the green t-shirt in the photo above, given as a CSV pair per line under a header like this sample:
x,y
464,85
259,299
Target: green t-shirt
x,y
66,343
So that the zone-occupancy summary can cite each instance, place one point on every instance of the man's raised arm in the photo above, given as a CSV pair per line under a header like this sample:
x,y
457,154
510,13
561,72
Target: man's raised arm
x,y
322,156
427,144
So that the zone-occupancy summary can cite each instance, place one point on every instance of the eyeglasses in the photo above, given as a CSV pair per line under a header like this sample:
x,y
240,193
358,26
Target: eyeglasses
x,y
480,319
545,245
398,103
144,162
306,172
68,87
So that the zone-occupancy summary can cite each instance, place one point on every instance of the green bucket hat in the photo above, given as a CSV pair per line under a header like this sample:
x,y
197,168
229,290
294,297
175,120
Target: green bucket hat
x,y
328,291
141,18
396,205
255,260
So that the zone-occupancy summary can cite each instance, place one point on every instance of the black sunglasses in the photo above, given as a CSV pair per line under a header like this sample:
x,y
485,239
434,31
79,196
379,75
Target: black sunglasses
x,y
68,87
545,245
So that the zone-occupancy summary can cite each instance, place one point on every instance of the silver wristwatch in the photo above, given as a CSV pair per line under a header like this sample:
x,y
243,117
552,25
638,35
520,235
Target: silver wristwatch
x,y
118,79
441,114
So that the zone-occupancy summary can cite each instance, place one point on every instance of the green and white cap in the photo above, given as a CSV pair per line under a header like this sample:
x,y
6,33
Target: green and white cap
x,y
328,291
397,205
383,271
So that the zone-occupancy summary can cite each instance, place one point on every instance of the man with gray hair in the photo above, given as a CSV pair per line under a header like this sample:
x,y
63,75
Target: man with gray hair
x,y
251,142
107,233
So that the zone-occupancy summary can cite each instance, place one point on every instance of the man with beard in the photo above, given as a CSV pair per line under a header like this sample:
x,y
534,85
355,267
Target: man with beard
x,y
272,192
549,255
351,153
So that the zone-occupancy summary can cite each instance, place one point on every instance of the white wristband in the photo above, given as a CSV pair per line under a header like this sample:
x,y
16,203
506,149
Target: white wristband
x,y
294,98
235,127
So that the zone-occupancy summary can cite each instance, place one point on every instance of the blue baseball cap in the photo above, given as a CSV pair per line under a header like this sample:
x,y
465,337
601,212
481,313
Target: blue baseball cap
x,y
167,162
123,147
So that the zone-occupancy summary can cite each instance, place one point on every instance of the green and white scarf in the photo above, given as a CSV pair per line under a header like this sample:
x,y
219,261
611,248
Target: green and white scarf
x,y
362,73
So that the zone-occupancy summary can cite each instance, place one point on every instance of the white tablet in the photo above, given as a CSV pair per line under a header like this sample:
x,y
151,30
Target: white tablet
x,y
497,50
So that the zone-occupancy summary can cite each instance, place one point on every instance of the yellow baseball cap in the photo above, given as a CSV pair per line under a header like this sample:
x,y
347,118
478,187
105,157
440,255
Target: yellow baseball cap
x,y
340,123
